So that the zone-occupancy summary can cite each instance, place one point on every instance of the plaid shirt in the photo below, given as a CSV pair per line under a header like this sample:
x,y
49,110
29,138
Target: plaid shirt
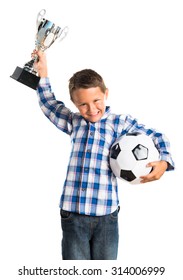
x,y
90,187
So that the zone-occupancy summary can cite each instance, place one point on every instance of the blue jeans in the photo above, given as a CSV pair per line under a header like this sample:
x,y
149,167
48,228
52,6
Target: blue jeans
x,y
88,237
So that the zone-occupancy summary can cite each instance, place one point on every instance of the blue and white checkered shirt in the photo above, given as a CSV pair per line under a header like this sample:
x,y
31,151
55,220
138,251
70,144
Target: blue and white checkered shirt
x,y
90,187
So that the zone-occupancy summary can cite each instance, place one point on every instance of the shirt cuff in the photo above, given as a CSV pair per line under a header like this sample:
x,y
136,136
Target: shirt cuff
x,y
44,81
168,159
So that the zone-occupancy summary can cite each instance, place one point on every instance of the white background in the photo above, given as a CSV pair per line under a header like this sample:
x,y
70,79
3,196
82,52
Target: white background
x,y
137,47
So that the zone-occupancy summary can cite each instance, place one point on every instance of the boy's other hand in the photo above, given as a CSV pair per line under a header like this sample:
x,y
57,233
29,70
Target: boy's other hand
x,y
159,167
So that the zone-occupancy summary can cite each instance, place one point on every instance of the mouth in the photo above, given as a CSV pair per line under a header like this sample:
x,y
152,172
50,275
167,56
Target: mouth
x,y
94,114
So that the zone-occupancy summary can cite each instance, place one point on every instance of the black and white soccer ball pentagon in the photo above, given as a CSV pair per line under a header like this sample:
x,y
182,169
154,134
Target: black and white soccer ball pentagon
x,y
130,154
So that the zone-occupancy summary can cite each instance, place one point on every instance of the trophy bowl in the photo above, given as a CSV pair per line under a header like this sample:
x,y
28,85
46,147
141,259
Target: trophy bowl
x,y
47,34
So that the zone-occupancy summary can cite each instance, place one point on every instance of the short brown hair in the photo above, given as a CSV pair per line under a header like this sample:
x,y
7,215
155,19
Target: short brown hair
x,y
86,78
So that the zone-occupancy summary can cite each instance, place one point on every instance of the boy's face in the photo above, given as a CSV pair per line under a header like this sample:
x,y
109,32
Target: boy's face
x,y
90,103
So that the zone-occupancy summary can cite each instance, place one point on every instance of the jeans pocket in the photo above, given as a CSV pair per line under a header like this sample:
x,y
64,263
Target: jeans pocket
x,y
114,215
65,214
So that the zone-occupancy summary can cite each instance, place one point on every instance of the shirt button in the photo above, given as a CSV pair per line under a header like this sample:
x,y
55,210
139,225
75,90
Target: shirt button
x,y
86,169
89,151
91,133
83,190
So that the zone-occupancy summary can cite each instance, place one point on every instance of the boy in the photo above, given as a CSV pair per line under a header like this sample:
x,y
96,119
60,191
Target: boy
x,y
89,202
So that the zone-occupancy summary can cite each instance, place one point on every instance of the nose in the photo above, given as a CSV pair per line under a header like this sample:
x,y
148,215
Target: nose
x,y
91,108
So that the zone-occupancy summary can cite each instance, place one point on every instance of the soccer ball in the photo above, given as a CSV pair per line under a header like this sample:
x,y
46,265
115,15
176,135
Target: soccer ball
x,y
129,156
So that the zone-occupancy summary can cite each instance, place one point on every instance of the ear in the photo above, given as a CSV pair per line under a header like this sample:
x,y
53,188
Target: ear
x,y
106,93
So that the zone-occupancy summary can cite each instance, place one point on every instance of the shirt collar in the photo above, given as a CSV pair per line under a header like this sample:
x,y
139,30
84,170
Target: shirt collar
x,y
107,112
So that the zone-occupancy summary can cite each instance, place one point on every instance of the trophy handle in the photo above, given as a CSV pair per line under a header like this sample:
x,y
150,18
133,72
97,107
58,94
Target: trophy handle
x,y
40,16
62,34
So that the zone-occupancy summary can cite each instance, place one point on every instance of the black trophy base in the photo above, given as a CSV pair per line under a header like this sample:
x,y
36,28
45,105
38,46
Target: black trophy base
x,y
25,78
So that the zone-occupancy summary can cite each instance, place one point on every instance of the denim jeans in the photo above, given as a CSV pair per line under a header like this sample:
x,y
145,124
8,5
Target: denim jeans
x,y
88,237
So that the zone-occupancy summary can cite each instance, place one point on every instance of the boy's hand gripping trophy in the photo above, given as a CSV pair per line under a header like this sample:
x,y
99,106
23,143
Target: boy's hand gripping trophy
x,y
46,35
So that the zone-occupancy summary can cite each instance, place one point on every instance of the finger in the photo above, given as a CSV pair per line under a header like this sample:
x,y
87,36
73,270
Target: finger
x,y
154,175
152,164
145,179
34,54
40,53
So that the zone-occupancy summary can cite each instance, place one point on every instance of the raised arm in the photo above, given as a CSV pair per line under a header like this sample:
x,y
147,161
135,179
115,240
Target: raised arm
x,y
53,109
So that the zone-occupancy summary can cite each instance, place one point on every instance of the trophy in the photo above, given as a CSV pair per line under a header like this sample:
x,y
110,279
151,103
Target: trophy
x,y
47,34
